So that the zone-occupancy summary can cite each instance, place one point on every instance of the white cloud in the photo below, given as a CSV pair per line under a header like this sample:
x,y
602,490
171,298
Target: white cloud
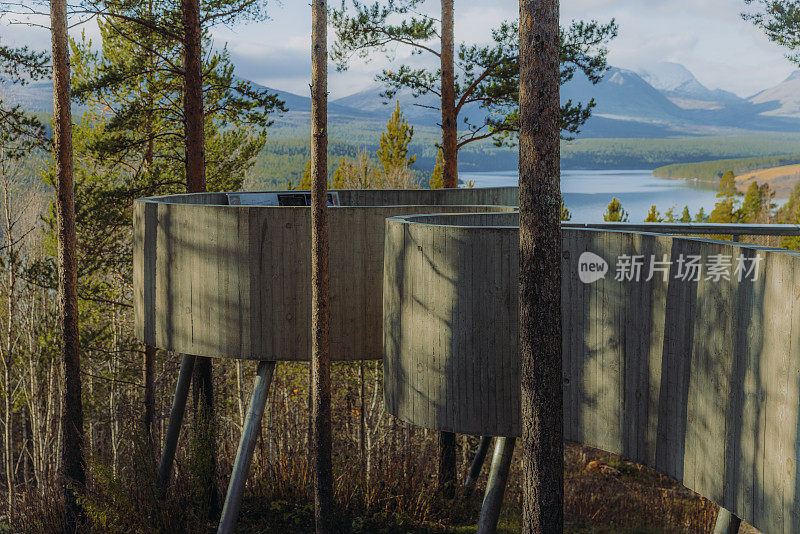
x,y
707,36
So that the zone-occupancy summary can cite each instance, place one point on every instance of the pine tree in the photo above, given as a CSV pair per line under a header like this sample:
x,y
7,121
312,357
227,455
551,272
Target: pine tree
x,y
686,215
725,210
540,249
394,142
485,76
565,213
652,215
449,110
727,186
614,212
701,216
321,432
21,131
789,213
130,83
436,180
73,467
757,205
175,119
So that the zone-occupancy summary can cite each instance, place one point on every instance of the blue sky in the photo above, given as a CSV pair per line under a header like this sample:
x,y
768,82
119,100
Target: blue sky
x,y
708,36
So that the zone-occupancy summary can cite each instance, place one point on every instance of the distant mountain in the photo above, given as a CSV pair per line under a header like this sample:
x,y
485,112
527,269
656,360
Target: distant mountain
x,y
665,100
38,97
782,100
661,100
421,111
631,106
679,85
622,95
416,110
297,104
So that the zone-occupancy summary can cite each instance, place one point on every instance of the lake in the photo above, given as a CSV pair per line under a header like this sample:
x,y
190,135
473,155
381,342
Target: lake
x,y
587,193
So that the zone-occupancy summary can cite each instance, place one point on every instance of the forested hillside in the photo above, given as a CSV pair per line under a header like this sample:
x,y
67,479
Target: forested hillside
x,y
711,171
654,153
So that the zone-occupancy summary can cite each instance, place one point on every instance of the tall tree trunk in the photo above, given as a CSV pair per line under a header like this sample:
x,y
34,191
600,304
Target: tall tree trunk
x,y
362,427
8,435
204,460
540,268
193,97
447,440
449,123
148,361
320,276
447,464
8,348
204,439
148,372
73,476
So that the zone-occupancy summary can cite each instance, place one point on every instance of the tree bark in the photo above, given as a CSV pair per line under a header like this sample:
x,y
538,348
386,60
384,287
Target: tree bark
x,y
8,348
540,268
194,143
449,121
73,477
204,461
148,362
149,392
447,464
320,277
447,440
193,97
362,420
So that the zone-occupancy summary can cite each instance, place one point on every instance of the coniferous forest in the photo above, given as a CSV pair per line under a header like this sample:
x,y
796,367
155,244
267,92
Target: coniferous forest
x,y
155,106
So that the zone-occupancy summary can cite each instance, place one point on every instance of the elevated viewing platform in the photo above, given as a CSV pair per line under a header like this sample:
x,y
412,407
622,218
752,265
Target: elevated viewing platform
x,y
228,274
681,354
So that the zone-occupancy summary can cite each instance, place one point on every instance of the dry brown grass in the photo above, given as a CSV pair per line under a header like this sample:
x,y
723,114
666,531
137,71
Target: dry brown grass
x,y
637,498
781,179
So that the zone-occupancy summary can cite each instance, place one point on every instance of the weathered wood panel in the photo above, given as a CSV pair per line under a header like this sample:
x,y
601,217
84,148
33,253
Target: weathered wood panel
x,y
234,281
697,378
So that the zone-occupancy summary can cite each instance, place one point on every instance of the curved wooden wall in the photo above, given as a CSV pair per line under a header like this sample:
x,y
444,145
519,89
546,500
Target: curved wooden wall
x,y
697,379
234,281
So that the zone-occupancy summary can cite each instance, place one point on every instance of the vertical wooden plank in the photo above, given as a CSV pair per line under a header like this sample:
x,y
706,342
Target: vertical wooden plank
x,y
570,324
460,315
751,324
372,265
477,305
709,383
261,285
580,312
417,382
423,318
485,277
507,323
791,496
162,305
390,283
777,347
654,347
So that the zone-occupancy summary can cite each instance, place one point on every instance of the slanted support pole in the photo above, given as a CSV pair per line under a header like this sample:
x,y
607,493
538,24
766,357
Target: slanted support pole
x,y
476,466
247,444
496,486
727,523
175,420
